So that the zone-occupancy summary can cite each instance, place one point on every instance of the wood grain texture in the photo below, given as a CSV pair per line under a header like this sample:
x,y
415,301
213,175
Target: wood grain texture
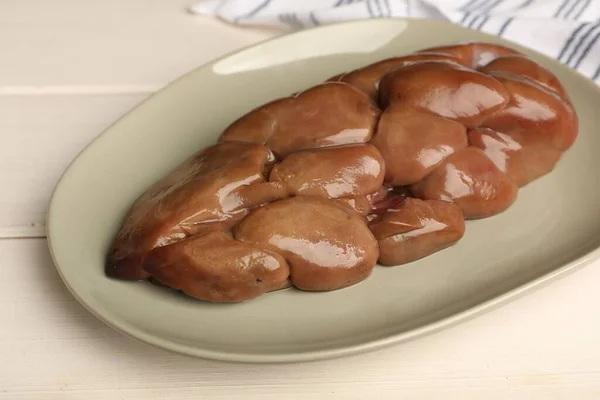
x,y
543,346
129,44
42,135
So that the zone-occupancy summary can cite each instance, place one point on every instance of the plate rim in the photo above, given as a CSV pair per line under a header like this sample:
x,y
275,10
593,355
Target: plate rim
x,y
323,354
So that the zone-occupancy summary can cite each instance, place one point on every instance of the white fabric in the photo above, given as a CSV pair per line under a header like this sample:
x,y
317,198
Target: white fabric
x,y
567,30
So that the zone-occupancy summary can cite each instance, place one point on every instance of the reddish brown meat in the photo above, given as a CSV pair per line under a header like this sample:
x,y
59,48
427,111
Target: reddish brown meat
x,y
361,205
215,267
414,143
326,247
211,191
519,65
340,172
527,138
314,188
472,181
417,228
521,160
447,90
367,78
330,114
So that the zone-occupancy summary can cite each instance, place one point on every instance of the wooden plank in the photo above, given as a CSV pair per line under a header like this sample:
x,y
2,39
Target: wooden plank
x,y
40,137
544,346
136,45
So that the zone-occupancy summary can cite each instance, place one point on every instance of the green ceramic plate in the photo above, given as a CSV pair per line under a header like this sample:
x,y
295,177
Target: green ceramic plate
x,y
552,228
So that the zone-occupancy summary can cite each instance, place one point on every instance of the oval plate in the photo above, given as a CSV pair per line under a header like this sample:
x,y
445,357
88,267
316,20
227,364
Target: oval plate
x,y
552,228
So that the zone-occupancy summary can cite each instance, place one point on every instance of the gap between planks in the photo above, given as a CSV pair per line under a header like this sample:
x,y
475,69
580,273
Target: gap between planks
x,y
33,231
21,237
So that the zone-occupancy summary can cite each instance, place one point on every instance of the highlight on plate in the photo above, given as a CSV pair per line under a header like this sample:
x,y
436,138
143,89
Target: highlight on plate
x,y
380,164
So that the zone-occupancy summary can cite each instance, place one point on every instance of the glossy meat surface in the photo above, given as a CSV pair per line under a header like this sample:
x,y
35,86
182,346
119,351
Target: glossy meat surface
x,y
216,267
383,163
340,172
367,79
517,65
212,190
414,143
415,229
444,89
470,180
527,138
330,114
326,247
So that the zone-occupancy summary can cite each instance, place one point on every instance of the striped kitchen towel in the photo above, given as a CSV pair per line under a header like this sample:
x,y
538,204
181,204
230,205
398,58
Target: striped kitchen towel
x,y
567,30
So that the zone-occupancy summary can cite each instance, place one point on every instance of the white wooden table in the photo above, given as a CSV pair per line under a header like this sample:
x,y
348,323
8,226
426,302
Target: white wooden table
x,y
70,68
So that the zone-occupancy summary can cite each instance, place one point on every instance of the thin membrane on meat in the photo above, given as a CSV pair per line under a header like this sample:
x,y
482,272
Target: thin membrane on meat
x,y
383,163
